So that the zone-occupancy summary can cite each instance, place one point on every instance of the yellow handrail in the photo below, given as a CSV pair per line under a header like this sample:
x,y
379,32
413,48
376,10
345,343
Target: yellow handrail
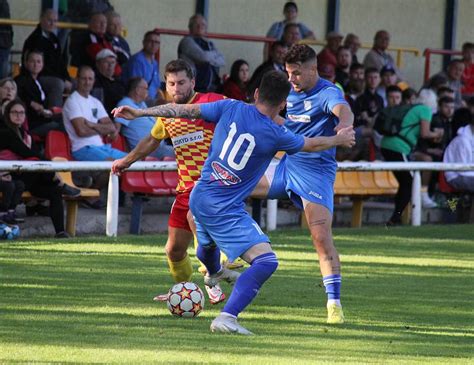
x,y
398,50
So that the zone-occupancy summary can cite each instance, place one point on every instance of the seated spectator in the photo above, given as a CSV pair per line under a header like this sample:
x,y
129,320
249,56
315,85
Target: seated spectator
x,y
369,103
428,95
87,122
453,74
409,96
137,129
144,64
202,54
8,91
276,61
463,116
353,43
328,72
107,88
291,35
388,77
344,61
11,188
235,87
54,77
461,150
378,56
30,90
393,96
467,78
356,85
16,144
114,36
328,54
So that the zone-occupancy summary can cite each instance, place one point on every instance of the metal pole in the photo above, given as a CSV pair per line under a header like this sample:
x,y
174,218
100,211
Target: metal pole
x,y
112,206
272,208
416,199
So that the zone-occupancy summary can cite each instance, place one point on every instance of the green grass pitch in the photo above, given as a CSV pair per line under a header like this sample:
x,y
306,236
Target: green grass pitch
x,y
407,296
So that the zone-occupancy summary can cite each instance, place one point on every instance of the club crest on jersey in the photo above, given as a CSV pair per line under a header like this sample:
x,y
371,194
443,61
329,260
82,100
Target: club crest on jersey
x,y
187,138
223,174
307,105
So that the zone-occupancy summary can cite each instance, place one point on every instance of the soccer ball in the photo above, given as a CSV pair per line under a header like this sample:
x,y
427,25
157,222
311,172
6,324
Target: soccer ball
x,y
185,300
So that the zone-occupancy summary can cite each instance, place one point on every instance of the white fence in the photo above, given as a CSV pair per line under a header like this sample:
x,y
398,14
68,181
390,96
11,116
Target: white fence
x,y
112,203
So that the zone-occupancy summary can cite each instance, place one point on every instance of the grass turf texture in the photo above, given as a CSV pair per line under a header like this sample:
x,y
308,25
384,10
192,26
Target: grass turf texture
x,y
407,295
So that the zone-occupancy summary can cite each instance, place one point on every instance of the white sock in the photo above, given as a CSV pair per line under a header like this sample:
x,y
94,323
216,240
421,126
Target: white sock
x,y
334,301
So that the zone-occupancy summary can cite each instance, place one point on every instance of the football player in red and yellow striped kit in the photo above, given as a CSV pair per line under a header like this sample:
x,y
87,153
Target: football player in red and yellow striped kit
x,y
191,143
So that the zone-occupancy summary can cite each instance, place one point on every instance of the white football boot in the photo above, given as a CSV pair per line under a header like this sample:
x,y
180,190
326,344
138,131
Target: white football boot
x,y
227,324
224,274
215,294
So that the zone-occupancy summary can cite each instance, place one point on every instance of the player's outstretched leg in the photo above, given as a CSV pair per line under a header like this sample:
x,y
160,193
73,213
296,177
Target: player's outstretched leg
x,y
245,290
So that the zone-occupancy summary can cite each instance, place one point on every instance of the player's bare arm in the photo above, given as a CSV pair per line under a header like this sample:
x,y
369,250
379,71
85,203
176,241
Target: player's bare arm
x,y
189,111
146,146
345,137
344,114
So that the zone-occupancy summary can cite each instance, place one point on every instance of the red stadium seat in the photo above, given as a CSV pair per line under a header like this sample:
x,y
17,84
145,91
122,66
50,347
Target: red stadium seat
x,y
57,145
155,181
444,186
171,178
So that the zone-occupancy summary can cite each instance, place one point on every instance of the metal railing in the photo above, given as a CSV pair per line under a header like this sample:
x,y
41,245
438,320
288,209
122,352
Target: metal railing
x,y
429,51
113,188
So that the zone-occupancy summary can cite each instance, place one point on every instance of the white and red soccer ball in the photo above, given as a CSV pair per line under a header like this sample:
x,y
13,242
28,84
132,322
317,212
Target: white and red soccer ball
x,y
185,300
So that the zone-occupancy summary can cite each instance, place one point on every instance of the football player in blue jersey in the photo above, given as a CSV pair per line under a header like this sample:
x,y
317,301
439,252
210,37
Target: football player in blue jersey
x,y
315,108
245,140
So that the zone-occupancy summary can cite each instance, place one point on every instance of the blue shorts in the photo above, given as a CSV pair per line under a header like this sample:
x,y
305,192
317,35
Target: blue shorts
x,y
234,232
303,180
98,153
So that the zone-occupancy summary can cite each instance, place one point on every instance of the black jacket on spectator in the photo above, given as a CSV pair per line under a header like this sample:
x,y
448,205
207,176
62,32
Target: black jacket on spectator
x,y
28,91
258,75
54,64
368,102
112,91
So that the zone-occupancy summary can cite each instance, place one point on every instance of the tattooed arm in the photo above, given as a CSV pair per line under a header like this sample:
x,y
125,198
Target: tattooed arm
x,y
190,111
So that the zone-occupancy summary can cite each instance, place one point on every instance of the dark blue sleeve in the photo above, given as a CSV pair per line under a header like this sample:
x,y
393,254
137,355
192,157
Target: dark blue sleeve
x,y
289,142
212,112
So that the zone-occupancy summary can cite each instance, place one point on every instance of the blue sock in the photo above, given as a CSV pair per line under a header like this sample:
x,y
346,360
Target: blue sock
x,y
249,283
210,256
333,286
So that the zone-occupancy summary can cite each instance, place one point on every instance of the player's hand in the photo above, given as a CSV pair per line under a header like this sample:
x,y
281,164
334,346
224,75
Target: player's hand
x,y
119,166
125,112
346,137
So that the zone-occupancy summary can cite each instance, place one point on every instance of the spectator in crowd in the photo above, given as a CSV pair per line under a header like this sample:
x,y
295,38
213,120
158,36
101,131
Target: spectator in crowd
x,y
388,77
107,88
428,95
290,13
468,74
328,72
461,150
462,116
8,91
54,77
344,61
11,188
137,129
409,96
368,104
202,54
291,35
415,124
453,74
378,56
353,43
393,96
144,64
276,61
6,40
30,90
328,54
16,144
356,84
235,87
114,36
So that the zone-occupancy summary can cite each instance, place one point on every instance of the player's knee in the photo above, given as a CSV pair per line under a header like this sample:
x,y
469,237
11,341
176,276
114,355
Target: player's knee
x,y
268,262
175,252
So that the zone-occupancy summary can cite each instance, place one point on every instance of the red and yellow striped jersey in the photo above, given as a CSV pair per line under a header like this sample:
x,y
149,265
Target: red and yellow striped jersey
x,y
191,141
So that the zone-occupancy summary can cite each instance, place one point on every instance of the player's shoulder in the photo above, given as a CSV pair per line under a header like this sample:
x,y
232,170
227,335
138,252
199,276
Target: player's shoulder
x,y
200,98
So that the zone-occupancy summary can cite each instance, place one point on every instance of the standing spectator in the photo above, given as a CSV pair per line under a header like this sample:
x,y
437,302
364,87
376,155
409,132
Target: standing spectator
x,y
235,87
30,90
468,74
144,64
378,56
276,62
202,54
344,61
6,40
114,36
137,129
388,77
353,43
453,74
54,77
107,88
328,54
368,104
291,35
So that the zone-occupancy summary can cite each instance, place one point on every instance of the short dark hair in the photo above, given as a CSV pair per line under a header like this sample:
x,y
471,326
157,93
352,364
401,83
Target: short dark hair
x,y
408,93
83,68
445,100
371,70
133,83
356,66
454,61
149,33
179,65
300,53
343,48
393,89
467,46
277,44
290,25
444,89
274,88
290,4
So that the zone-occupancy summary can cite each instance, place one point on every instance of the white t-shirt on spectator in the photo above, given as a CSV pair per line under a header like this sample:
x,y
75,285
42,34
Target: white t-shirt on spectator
x,y
91,109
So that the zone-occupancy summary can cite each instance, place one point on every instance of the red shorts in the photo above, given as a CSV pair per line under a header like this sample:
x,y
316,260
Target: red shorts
x,y
179,211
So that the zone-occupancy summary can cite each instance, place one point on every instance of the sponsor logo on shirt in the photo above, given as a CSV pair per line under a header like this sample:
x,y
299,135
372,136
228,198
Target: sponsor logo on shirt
x,y
299,118
188,138
221,173
319,196
289,104
307,105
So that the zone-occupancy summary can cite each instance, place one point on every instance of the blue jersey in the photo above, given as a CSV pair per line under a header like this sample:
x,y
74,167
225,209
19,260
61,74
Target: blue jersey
x,y
243,146
309,114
